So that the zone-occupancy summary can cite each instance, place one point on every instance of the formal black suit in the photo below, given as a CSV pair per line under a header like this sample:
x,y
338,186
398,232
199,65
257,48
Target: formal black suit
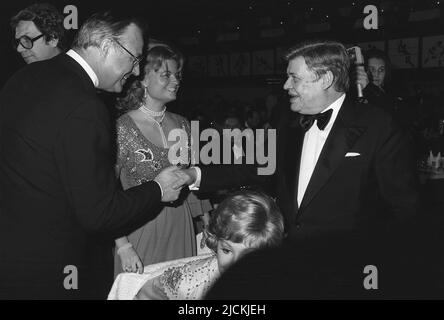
x,y
60,201
378,188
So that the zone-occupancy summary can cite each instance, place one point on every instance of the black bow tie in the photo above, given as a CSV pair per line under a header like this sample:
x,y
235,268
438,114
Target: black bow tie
x,y
307,120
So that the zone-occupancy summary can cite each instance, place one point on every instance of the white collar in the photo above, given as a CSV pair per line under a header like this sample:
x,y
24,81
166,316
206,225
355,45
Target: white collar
x,y
335,106
85,66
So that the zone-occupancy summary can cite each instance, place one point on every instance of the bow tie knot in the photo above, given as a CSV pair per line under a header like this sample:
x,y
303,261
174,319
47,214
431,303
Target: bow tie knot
x,y
307,120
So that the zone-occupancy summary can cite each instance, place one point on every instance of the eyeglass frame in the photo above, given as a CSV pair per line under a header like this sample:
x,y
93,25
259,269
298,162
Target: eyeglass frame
x,y
136,61
17,42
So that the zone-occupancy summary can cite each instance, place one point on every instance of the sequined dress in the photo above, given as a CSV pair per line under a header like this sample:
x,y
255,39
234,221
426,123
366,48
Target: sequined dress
x,y
181,279
188,280
171,234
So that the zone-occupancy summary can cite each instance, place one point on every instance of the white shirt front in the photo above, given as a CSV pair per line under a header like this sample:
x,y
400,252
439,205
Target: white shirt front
x,y
314,141
85,66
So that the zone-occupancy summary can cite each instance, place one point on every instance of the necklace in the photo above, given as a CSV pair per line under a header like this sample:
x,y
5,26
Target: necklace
x,y
151,114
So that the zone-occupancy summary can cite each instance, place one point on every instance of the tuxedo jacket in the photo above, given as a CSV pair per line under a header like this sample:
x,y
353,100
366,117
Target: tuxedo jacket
x,y
60,199
364,178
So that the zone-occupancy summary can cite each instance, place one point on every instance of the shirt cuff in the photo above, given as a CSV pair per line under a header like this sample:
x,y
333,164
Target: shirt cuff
x,y
196,184
161,190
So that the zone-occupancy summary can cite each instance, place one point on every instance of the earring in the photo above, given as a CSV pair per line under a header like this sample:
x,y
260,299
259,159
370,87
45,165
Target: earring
x,y
145,91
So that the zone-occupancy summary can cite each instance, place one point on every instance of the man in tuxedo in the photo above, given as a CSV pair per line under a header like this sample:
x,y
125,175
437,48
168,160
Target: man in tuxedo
x,y
60,201
346,184
351,167
341,165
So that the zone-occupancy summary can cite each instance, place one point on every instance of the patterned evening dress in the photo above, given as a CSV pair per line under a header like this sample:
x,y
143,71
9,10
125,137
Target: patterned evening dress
x,y
182,279
171,234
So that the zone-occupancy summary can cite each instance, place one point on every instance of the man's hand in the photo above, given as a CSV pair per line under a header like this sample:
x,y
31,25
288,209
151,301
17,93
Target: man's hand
x,y
188,175
171,183
361,77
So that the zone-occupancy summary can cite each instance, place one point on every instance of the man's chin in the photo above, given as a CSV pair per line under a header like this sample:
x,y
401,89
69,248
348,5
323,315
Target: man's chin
x,y
117,88
295,108
29,60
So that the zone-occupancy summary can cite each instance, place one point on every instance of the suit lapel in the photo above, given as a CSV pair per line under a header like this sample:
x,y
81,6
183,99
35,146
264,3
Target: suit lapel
x,y
342,137
292,153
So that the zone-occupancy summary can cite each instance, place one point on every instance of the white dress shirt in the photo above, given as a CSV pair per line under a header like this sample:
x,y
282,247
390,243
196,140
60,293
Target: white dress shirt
x,y
314,141
85,66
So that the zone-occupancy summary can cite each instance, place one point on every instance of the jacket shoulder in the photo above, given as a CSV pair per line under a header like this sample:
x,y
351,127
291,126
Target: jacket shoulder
x,y
367,112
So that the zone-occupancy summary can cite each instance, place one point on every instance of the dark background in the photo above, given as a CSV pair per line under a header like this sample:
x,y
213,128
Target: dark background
x,y
196,25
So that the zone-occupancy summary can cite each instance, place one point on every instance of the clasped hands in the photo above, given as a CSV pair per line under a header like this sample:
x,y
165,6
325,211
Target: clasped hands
x,y
173,179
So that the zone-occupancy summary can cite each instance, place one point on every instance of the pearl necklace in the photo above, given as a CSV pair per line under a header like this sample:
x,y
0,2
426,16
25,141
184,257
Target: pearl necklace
x,y
151,114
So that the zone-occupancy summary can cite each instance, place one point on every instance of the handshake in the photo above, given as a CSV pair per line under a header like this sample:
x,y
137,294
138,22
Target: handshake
x,y
172,179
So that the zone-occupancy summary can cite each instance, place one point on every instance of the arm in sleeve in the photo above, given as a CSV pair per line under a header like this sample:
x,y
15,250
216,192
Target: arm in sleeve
x,y
85,161
197,206
218,177
396,174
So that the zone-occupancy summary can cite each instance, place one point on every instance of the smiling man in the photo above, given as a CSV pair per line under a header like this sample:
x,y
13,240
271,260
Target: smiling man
x,y
38,32
341,165
57,178
345,166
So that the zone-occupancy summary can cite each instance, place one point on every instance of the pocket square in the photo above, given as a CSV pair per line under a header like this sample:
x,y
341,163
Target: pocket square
x,y
352,154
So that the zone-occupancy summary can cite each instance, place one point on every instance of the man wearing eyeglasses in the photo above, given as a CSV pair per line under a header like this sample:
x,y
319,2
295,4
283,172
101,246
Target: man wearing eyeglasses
x,y
61,205
39,32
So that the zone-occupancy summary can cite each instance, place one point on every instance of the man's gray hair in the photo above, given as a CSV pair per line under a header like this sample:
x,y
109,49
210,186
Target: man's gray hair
x,y
323,56
102,26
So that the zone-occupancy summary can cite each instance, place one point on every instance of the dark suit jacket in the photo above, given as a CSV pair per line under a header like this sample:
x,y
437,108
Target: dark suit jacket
x,y
378,188
60,200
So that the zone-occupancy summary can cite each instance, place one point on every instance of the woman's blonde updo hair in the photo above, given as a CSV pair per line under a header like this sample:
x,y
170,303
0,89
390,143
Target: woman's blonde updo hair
x,y
156,55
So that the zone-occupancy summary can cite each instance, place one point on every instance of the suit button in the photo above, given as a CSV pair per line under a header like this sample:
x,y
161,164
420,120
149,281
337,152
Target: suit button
x,y
297,225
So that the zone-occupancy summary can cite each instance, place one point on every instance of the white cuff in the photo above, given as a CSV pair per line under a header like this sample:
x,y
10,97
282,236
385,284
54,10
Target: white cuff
x,y
161,190
196,184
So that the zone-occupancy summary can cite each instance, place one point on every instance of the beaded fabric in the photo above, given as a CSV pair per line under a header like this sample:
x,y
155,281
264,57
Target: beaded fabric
x,y
186,278
190,281
143,159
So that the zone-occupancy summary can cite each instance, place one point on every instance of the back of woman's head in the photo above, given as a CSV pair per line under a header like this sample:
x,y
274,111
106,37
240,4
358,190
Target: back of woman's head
x,y
247,217
155,57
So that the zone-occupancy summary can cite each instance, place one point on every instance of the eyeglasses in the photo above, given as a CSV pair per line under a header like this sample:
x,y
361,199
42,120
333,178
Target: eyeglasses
x,y
25,41
136,60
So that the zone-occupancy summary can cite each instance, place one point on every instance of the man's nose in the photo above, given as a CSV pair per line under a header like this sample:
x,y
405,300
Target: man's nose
x,y
287,84
20,48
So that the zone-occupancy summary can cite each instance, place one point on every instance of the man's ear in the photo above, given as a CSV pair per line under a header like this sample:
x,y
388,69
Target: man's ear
x,y
328,80
105,46
53,42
